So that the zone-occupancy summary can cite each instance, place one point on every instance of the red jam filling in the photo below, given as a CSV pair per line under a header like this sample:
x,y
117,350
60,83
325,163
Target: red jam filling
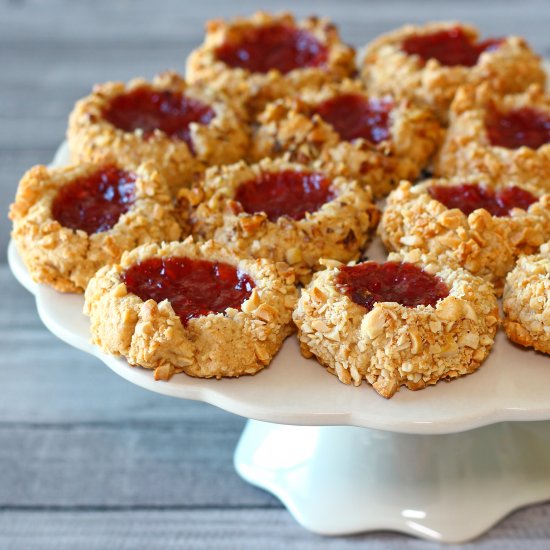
x,y
520,127
193,287
279,47
410,286
95,203
285,193
469,197
149,110
354,116
450,47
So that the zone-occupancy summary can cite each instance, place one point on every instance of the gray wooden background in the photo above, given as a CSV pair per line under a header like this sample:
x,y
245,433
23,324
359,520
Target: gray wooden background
x,y
88,461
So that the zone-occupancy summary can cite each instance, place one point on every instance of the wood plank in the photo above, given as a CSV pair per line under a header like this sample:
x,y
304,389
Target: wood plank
x,y
169,18
231,529
125,464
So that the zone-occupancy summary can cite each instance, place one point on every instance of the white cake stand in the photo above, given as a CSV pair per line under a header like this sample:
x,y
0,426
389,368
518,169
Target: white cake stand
x,y
444,464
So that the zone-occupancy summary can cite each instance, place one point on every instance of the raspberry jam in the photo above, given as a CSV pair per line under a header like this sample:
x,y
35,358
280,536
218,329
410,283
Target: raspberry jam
x,y
193,287
469,197
285,193
410,286
450,47
354,116
149,110
520,127
279,47
95,203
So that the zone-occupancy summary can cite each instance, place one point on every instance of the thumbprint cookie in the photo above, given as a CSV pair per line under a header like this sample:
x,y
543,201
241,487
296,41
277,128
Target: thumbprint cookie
x,y
408,321
504,138
429,63
526,302
181,128
69,222
193,308
374,139
265,56
469,223
283,211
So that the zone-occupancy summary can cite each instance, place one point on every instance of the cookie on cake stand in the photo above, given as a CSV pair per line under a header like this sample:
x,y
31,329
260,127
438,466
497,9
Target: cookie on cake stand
x,y
526,301
264,57
503,138
375,139
70,221
407,321
429,63
283,211
182,128
471,223
194,308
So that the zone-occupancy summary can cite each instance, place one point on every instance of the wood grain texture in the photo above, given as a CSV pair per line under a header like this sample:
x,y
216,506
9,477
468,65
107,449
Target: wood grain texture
x,y
87,460
231,529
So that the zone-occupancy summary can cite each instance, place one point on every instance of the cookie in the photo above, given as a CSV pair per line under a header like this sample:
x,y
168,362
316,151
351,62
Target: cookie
x,y
193,308
409,321
526,301
283,211
264,57
503,138
69,222
374,139
181,128
468,223
429,63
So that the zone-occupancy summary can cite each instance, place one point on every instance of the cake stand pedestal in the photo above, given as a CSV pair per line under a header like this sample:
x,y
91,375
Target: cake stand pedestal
x,y
339,480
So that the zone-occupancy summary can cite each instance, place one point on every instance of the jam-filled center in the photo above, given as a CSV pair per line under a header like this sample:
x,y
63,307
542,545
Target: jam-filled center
x,y
450,47
273,47
407,284
470,196
149,110
94,203
519,127
286,193
354,116
193,287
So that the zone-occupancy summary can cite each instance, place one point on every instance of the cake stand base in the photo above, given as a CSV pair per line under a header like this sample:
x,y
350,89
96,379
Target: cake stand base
x,y
451,488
